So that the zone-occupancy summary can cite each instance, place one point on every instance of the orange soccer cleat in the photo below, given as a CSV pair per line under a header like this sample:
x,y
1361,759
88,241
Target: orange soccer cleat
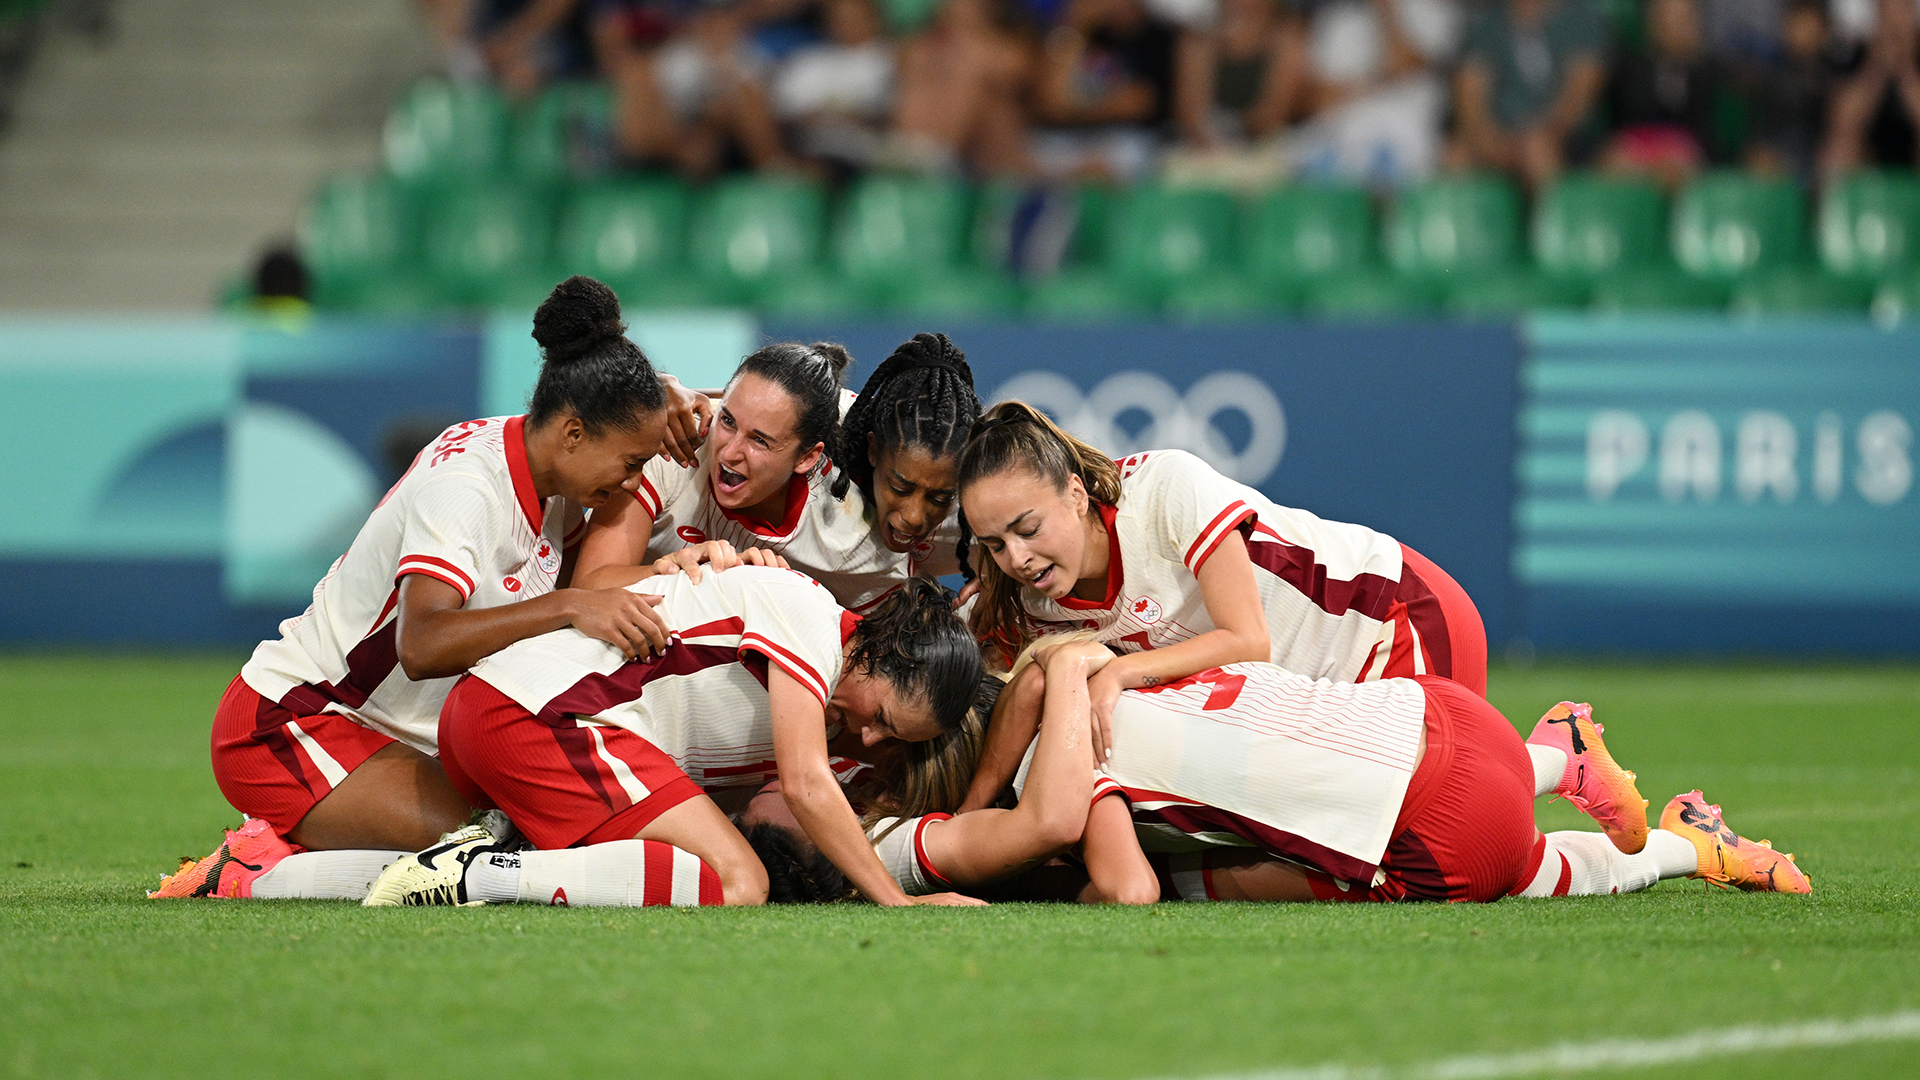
x,y
1594,782
228,874
1727,859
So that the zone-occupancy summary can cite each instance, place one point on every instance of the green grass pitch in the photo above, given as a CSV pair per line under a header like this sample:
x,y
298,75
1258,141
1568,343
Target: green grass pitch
x,y
104,782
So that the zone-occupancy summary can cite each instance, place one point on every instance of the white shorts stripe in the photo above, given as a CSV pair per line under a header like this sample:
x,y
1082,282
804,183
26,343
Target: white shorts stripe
x,y
628,782
316,753
1419,650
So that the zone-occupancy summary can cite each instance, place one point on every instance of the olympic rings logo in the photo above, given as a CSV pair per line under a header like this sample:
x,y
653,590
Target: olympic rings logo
x,y
1175,420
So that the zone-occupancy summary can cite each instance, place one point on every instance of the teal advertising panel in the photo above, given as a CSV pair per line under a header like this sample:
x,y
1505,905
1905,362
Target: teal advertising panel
x,y
1710,475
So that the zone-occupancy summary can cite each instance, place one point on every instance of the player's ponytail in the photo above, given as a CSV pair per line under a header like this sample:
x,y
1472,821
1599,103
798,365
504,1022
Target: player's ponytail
x,y
913,640
588,367
1014,436
920,396
812,375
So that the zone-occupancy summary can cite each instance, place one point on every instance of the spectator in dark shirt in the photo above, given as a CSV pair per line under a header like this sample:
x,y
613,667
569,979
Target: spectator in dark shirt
x,y
1105,88
1789,98
1876,106
1524,91
1664,97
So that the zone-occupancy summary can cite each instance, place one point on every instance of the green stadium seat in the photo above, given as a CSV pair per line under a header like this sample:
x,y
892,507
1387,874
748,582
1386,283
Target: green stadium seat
x,y
892,228
622,232
443,131
751,231
906,16
1364,296
1159,236
1897,300
1801,290
1505,293
487,245
1727,224
1870,225
961,293
1659,289
1223,296
565,133
807,295
1309,231
353,230
1449,227
1587,227
1083,295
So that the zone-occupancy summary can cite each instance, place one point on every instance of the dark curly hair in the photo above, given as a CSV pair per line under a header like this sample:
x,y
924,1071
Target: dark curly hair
x,y
914,640
796,873
588,367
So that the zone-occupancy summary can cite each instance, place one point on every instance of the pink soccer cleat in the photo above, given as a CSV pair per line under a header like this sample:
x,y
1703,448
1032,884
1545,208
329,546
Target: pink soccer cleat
x,y
1726,858
227,874
1594,782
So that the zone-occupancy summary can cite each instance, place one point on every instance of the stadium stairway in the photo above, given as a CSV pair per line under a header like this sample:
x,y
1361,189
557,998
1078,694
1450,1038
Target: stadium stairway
x,y
140,171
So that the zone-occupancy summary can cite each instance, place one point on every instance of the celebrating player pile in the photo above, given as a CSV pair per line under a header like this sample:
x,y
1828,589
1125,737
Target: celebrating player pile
x,y
729,676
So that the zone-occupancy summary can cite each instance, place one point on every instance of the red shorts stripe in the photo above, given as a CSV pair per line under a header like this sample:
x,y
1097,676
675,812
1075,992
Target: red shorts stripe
x,y
564,783
1432,614
275,764
1466,829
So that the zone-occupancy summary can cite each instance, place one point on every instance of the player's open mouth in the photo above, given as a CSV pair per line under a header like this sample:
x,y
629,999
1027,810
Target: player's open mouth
x,y
897,540
1043,579
728,480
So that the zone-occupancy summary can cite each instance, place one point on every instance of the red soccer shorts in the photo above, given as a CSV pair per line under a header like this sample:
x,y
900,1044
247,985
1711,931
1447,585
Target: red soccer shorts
x,y
1436,628
273,764
1466,828
563,785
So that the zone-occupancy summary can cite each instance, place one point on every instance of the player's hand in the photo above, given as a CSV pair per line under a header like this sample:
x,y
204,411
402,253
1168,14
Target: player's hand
x,y
689,416
718,554
944,899
967,592
1102,693
764,557
625,620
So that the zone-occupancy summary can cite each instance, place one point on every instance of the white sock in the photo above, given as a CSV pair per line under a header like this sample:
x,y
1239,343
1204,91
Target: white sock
x,y
324,875
620,873
1549,767
1587,864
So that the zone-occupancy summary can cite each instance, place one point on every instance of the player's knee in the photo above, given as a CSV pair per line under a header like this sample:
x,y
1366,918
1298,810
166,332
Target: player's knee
x,y
743,884
1132,890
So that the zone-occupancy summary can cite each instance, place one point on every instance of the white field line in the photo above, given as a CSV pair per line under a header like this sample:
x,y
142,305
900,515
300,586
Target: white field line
x,y
1619,1053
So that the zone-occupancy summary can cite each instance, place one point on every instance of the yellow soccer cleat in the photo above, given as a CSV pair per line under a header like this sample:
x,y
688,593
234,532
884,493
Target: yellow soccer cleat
x,y
1594,782
1726,858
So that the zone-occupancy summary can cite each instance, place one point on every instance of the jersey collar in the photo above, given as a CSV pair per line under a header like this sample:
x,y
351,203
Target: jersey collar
x,y
848,622
797,490
1115,572
522,474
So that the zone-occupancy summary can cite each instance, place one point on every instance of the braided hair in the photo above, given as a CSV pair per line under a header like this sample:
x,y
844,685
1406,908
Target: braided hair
x,y
914,641
812,375
1015,436
921,396
588,367
797,873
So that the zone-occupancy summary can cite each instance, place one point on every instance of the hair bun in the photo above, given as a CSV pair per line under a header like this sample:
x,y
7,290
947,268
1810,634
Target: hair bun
x,y
579,314
837,357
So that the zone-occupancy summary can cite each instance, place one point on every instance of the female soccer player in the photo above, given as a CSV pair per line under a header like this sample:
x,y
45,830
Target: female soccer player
x,y
325,738
1185,570
769,477
601,761
1272,786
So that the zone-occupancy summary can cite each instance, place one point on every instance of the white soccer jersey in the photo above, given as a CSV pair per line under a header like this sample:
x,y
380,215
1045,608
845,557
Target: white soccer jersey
x,y
902,847
830,540
1252,755
704,703
1326,586
465,514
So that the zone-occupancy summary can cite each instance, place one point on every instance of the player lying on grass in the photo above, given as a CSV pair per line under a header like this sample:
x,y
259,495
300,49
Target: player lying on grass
x,y
1253,783
326,736
768,476
601,761
1184,570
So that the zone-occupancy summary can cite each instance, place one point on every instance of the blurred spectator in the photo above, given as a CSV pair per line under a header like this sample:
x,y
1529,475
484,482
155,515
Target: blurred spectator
x,y
836,95
522,44
961,84
1744,29
1105,89
1531,74
1235,84
1789,99
1875,107
1371,89
688,85
1664,98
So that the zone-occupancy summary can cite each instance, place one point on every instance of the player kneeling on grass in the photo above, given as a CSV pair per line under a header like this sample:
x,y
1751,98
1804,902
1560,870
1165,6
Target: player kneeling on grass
x,y
601,762
326,738
1252,783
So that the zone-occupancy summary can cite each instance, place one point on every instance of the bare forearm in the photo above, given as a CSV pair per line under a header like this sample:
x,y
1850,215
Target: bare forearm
x,y
1008,736
437,644
821,808
1215,648
612,577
